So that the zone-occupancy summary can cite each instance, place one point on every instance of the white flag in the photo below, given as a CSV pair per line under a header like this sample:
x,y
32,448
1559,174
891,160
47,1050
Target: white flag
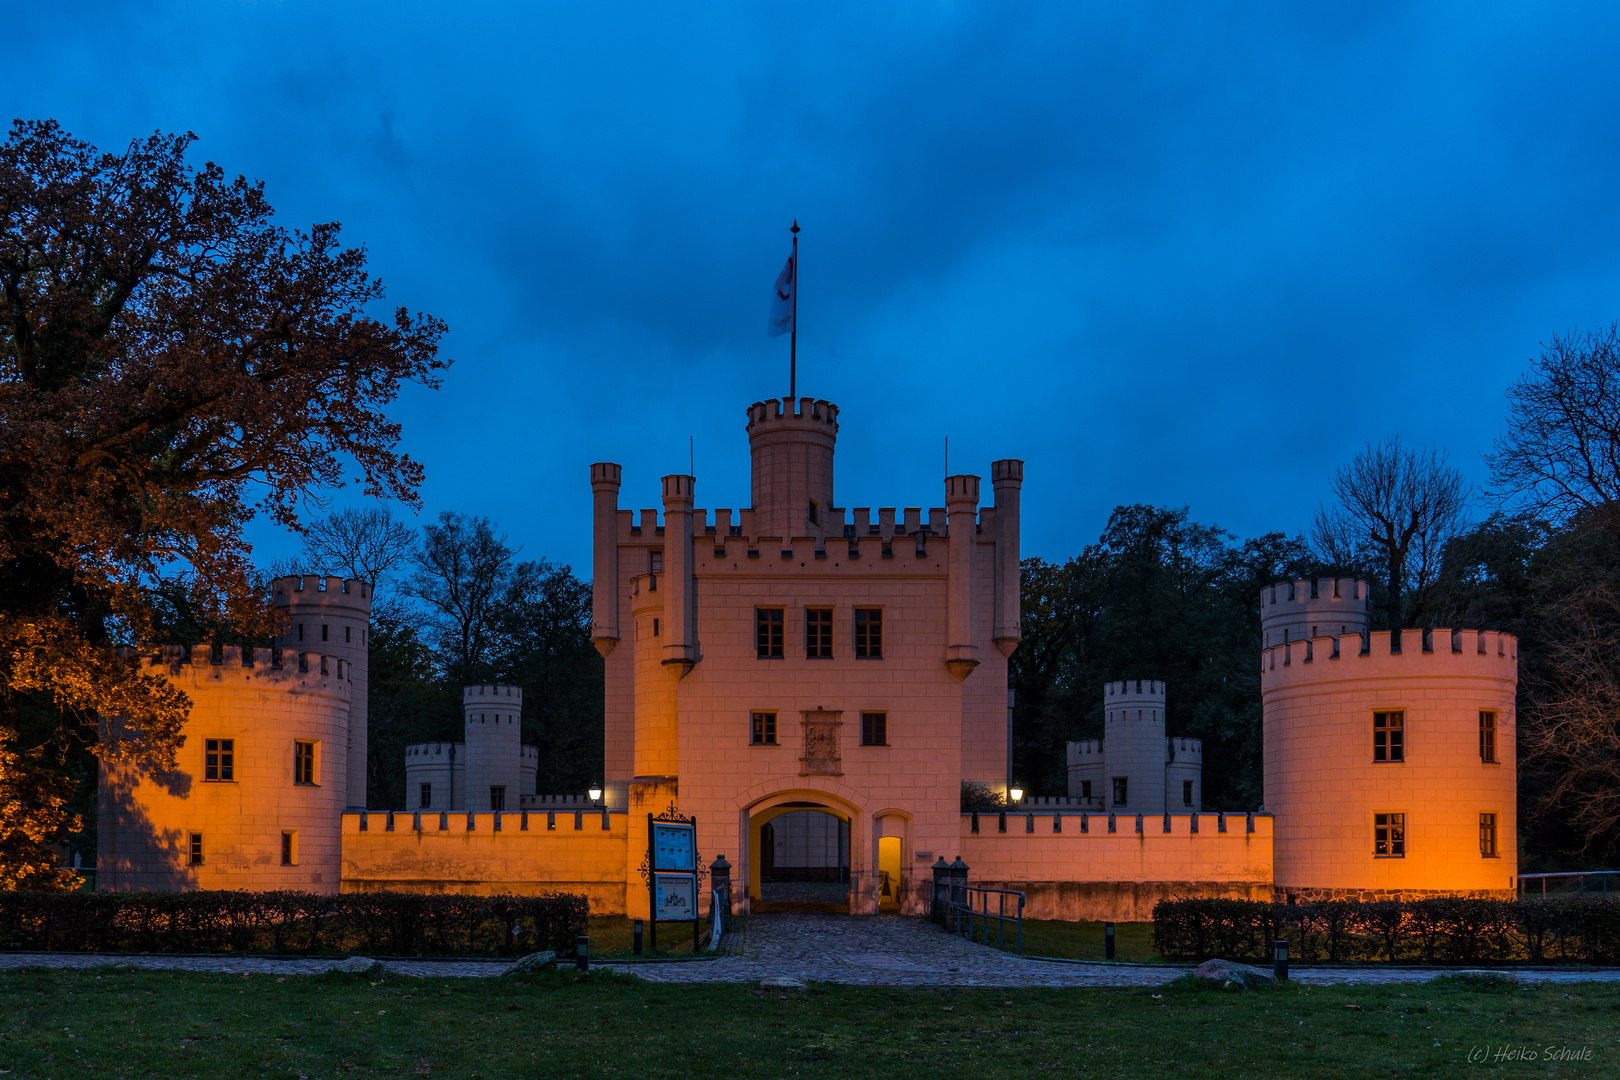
x,y
782,303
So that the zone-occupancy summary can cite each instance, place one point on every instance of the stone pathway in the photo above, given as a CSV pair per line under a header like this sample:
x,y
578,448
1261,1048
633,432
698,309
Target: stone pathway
x,y
884,950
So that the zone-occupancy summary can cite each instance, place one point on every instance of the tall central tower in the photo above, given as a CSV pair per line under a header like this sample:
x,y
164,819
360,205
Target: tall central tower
x,y
792,477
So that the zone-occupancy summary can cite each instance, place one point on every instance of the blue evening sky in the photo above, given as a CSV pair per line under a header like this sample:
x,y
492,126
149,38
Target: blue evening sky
x,y
1184,254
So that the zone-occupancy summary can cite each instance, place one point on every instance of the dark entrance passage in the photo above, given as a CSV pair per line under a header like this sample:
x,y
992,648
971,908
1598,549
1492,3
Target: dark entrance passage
x,y
804,862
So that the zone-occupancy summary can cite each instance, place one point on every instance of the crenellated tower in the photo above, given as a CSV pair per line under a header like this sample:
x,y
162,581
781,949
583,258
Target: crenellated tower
x,y
1314,607
791,479
332,615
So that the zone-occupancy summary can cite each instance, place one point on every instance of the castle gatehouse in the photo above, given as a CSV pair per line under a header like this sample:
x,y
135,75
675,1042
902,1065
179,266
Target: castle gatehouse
x,y
817,686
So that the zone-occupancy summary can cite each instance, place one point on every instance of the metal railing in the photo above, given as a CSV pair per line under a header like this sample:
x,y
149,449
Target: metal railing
x,y
1571,883
954,909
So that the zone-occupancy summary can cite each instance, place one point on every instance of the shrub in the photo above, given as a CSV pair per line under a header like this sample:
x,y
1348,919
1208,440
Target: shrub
x,y
1434,930
376,923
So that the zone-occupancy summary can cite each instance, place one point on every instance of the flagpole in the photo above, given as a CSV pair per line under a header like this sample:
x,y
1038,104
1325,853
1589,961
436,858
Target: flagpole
x,y
793,337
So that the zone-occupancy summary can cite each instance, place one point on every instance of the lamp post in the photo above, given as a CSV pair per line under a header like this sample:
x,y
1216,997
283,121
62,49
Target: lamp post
x,y
1016,792
595,793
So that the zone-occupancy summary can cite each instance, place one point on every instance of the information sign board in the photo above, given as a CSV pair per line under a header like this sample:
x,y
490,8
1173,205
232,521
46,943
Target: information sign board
x,y
676,896
673,845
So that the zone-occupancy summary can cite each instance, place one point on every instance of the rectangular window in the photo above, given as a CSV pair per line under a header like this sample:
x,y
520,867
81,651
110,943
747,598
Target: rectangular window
x,y
323,631
1085,789
427,796
196,849
289,849
303,762
1389,736
1487,835
869,633
763,731
874,729
300,631
1487,736
1186,793
655,628
346,638
1120,791
1389,835
768,632
818,633
497,797
656,563
219,759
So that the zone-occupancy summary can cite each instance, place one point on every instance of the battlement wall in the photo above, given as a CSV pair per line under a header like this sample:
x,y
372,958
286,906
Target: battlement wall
x,y
322,591
1071,866
805,412
1314,607
264,668
520,852
1438,652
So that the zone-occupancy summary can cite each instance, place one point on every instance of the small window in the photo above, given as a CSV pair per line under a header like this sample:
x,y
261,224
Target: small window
x,y
303,762
1487,736
346,639
874,729
196,849
323,631
427,796
1085,789
818,633
656,627
656,562
768,632
1487,835
1186,793
869,633
219,759
763,729
497,797
1120,791
289,849
300,631
1389,835
1389,736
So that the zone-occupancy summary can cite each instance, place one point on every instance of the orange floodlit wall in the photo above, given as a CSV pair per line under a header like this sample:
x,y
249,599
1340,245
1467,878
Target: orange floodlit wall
x,y
524,852
1330,793
1086,871
148,821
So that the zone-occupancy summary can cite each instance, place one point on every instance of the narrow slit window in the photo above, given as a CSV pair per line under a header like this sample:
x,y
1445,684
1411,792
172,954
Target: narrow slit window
x,y
196,849
1186,793
427,796
1389,835
1487,736
1121,790
869,633
763,728
303,762
768,633
1389,736
289,849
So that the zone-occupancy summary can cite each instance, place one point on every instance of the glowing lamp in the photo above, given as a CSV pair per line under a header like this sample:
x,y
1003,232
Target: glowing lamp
x,y
1017,792
596,793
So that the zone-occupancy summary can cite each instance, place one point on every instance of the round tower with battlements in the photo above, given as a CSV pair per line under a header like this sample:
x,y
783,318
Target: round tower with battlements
x,y
1298,610
1134,746
1390,769
493,727
332,615
792,475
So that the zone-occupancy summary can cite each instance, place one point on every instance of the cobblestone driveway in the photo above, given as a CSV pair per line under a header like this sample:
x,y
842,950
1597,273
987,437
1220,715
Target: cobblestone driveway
x,y
885,950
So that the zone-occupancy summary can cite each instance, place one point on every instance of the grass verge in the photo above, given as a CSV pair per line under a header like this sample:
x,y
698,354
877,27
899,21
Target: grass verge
x,y
158,1024
1084,940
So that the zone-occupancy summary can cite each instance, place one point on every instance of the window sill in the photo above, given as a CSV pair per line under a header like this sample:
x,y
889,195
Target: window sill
x,y
875,745
1393,761
770,745
1389,856
305,783
219,781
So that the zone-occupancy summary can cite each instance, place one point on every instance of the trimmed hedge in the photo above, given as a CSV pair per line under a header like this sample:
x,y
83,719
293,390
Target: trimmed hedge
x,y
1435,930
295,923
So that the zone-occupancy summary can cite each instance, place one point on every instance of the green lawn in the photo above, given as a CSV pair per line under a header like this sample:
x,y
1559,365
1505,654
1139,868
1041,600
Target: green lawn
x,y
614,936
153,1024
1084,940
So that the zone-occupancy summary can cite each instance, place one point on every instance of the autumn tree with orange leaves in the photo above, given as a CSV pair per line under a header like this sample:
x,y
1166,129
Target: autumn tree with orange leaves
x,y
171,363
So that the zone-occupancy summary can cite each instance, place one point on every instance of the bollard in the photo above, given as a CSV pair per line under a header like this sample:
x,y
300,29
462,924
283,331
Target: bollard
x,y
636,945
1280,961
582,953
1108,941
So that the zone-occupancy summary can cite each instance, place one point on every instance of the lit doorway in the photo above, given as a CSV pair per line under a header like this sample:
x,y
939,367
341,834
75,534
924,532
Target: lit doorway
x,y
889,848
801,861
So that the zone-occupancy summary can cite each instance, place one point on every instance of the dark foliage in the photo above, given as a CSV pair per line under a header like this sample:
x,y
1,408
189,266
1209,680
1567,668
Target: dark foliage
x,y
1434,930
374,924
